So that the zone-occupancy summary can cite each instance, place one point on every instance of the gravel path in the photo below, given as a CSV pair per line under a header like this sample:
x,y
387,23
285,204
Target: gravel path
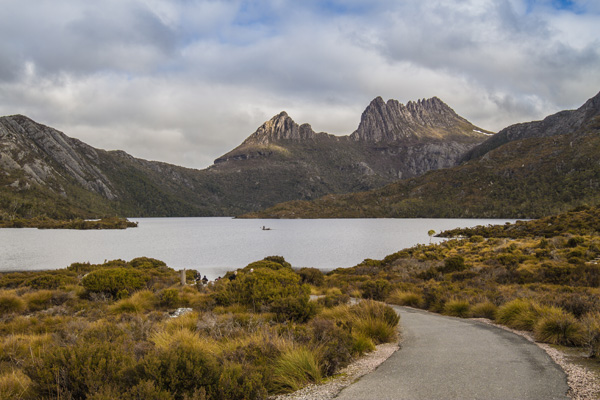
x,y
451,358
583,385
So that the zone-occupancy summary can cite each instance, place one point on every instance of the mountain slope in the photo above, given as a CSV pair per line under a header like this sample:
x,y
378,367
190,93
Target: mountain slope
x,y
556,124
537,173
45,172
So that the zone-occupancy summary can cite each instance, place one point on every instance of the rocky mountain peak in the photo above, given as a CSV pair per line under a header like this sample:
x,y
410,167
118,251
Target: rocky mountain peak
x,y
392,121
280,127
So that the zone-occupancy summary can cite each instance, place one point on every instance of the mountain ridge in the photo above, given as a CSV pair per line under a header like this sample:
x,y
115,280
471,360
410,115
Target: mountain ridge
x,y
46,172
554,124
537,173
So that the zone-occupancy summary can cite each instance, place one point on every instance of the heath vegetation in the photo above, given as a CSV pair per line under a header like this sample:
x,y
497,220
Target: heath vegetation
x,y
541,275
129,330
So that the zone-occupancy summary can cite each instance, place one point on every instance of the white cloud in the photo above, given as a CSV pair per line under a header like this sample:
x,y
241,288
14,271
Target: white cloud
x,y
185,82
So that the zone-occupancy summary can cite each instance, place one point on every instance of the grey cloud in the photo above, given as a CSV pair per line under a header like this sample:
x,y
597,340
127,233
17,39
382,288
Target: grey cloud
x,y
185,82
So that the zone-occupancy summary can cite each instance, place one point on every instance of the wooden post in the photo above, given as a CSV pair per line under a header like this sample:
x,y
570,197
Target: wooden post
x,y
182,274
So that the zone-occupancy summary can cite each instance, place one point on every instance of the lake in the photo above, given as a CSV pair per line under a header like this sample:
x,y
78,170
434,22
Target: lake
x,y
216,245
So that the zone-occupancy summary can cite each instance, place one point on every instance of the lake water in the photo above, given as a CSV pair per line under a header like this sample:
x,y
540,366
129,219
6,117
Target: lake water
x,y
216,245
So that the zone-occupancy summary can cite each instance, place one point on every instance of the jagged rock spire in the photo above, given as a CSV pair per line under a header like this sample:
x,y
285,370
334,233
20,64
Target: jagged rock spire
x,y
391,121
280,127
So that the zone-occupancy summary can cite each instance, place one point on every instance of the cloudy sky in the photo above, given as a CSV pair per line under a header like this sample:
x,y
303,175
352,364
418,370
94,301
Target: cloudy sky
x,y
184,81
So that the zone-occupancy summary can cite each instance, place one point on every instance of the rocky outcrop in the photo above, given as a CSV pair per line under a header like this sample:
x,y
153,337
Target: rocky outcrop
x,y
393,121
563,122
280,127
43,154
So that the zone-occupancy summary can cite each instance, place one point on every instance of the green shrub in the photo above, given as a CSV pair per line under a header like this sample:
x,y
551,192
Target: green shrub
x,y
81,369
334,343
333,298
486,309
295,369
182,369
169,297
556,326
146,390
476,239
260,288
114,281
453,264
49,281
240,382
297,308
10,303
457,308
375,289
312,276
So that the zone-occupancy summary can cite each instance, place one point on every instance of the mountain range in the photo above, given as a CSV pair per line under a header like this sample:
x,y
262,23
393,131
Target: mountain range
x,y
44,172
526,170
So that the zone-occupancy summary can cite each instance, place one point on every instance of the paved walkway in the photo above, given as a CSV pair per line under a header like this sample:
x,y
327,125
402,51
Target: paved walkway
x,y
451,358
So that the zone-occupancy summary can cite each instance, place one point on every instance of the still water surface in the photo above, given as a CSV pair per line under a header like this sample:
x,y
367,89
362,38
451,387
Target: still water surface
x,y
216,245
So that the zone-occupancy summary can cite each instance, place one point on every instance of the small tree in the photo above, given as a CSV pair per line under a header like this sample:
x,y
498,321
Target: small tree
x,y
431,232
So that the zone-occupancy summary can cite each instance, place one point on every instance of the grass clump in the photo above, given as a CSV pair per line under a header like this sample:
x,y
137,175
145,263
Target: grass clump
x,y
295,369
15,385
457,308
10,303
404,298
376,321
517,314
485,309
556,326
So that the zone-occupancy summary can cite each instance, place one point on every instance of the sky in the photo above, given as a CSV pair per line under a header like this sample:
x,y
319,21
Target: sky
x,y
185,81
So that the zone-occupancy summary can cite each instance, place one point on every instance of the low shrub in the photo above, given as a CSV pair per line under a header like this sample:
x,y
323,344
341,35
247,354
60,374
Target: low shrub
x,y
556,326
453,264
80,369
116,282
334,343
169,298
334,297
295,369
312,276
50,281
297,308
240,382
457,308
182,369
377,289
